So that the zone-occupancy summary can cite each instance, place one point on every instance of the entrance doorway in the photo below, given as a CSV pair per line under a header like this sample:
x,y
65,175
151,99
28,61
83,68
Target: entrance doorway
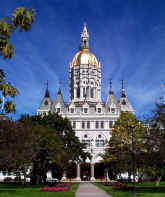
x,y
85,171
99,170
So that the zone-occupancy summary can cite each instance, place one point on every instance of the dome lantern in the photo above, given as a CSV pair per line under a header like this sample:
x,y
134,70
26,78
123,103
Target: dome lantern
x,y
84,56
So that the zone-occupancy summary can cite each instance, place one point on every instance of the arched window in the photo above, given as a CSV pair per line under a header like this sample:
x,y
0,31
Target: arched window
x,y
78,92
46,102
84,93
92,92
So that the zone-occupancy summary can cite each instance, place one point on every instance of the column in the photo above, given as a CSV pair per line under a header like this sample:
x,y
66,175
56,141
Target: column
x,y
106,176
63,176
78,172
92,172
75,93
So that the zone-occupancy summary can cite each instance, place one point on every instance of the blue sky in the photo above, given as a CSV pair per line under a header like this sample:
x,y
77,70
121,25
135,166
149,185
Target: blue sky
x,y
128,37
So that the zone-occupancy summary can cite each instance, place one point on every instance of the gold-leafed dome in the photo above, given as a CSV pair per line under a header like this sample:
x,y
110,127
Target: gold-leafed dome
x,y
84,56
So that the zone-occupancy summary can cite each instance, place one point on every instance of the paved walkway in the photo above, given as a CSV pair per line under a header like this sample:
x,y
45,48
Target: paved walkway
x,y
90,190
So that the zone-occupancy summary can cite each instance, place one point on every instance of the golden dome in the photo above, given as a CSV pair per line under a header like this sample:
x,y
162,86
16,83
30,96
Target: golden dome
x,y
84,56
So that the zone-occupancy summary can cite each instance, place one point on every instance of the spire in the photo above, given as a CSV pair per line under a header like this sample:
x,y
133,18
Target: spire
x,y
110,89
122,89
47,91
59,90
84,38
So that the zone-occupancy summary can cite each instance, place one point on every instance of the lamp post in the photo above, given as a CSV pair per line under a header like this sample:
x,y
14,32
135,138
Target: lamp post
x,y
133,160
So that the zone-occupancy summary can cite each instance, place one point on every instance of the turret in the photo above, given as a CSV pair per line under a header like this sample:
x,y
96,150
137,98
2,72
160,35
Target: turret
x,y
46,103
112,105
124,102
58,105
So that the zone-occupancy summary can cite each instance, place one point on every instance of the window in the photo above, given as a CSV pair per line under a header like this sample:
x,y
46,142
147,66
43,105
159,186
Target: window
x,y
110,124
46,103
84,93
88,124
85,136
72,110
74,124
92,93
58,110
83,124
99,136
99,110
97,124
113,110
86,142
78,92
123,102
85,110
102,124
99,143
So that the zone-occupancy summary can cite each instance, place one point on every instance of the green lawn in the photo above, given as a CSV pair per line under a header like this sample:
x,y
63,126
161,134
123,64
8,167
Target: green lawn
x,y
11,190
143,190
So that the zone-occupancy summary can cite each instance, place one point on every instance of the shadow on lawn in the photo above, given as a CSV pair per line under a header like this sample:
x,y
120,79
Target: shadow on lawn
x,y
151,189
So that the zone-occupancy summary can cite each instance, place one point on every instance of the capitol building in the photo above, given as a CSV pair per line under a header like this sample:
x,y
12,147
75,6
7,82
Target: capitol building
x,y
91,118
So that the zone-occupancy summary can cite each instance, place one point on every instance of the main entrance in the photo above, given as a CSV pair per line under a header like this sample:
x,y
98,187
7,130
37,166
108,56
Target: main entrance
x,y
85,171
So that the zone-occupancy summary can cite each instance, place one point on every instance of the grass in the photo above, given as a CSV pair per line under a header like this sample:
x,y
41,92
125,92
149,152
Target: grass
x,y
147,189
13,190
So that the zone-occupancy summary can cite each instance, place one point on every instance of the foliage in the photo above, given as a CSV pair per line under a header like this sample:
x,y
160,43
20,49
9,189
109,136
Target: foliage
x,y
22,19
70,148
126,132
28,145
155,139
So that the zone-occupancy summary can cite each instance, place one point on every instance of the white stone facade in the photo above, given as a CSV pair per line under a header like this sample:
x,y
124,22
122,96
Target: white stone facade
x,y
91,119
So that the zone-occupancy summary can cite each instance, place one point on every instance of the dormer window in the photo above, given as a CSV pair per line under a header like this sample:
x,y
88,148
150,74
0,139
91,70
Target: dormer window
x,y
123,102
113,110
46,102
99,110
58,110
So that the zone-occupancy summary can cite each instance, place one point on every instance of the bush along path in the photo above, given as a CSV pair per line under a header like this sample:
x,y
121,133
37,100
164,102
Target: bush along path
x,y
90,190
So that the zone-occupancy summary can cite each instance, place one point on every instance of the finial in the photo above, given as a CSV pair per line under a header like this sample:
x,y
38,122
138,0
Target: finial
x,y
122,84
47,91
59,90
110,84
122,89
85,27
47,84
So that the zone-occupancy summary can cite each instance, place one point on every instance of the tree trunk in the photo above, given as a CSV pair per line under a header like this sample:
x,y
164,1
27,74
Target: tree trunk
x,y
158,181
24,180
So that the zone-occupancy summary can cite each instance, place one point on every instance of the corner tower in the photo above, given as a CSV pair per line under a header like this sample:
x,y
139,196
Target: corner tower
x,y
85,73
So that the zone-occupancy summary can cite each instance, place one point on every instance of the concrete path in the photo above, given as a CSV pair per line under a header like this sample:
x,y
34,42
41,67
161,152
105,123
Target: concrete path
x,y
90,190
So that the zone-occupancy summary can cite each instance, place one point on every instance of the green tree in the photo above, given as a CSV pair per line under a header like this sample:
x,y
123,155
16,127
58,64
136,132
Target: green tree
x,y
155,145
127,129
21,19
24,145
72,149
